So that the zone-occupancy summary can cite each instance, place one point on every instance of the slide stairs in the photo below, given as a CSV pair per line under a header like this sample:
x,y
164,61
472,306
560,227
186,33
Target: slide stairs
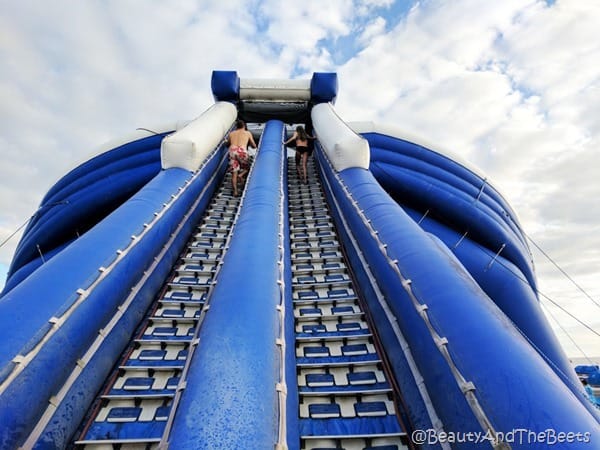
x,y
135,405
345,397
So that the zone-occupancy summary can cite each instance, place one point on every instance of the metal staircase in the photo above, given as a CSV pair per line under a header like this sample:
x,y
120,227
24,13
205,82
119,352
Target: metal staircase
x,y
134,406
345,400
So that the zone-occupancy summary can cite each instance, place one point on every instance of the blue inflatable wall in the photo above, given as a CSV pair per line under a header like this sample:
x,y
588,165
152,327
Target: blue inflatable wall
x,y
457,335
81,199
110,265
480,228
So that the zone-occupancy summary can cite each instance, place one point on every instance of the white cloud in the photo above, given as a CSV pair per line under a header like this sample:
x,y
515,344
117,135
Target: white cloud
x,y
374,3
368,7
371,30
300,29
301,25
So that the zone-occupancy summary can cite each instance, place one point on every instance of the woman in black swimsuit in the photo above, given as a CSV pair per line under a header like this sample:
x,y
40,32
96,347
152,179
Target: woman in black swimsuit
x,y
302,150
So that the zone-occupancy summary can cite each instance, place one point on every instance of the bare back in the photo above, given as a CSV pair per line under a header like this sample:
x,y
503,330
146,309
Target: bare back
x,y
300,142
241,138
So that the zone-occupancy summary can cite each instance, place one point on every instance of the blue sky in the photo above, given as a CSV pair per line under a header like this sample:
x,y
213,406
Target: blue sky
x,y
512,86
381,17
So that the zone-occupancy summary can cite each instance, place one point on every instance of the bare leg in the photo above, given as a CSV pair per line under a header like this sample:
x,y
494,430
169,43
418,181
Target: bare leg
x,y
244,169
304,169
297,158
234,176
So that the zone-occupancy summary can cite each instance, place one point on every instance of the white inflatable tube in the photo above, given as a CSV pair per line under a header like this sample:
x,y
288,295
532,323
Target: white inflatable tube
x,y
343,147
189,147
274,90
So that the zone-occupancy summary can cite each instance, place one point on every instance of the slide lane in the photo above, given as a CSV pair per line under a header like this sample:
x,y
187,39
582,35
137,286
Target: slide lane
x,y
347,396
58,345
139,396
81,199
112,279
459,339
464,349
410,173
234,395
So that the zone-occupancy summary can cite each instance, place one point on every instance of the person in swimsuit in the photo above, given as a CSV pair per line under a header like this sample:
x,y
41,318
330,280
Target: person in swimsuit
x,y
302,150
238,140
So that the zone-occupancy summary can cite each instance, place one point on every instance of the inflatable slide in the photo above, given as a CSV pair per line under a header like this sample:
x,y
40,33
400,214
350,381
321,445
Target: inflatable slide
x,y
389,303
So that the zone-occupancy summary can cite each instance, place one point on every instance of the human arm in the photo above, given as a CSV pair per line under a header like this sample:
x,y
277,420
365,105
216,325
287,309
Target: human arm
x,y
294,136
251,141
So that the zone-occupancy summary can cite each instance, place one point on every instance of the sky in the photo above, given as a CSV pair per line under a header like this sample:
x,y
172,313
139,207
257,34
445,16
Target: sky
x,y
513,87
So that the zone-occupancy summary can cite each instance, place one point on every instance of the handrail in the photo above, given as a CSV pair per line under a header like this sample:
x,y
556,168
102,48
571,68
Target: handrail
x,y
281,386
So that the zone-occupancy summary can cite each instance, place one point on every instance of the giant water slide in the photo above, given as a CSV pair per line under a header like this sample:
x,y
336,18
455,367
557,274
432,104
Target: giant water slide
x,y
147,307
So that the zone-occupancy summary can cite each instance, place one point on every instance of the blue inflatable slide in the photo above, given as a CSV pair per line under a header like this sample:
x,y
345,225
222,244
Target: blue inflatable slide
x,y
387,303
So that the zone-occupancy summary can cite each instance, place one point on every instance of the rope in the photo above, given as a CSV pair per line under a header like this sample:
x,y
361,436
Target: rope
x,y
563,272
540,293
16,231
569,314
566,333
147,129
281,386
547,256
64,202
537,291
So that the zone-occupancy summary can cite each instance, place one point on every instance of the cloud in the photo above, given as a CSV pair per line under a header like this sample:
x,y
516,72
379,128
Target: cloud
x,y
375,28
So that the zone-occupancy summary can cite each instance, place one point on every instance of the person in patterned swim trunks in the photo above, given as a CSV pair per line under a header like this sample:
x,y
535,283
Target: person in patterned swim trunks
x,y
238,140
